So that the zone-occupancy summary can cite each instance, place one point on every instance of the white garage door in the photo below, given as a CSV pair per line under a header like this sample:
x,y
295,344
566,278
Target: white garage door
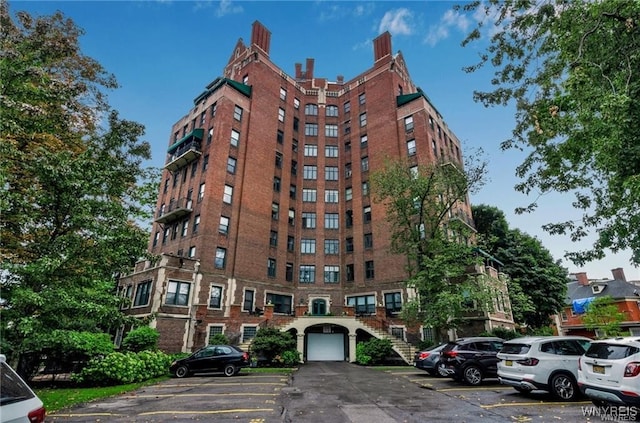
x,y
325,347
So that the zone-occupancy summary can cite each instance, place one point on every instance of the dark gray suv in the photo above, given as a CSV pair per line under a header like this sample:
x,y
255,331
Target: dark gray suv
x,y
472,359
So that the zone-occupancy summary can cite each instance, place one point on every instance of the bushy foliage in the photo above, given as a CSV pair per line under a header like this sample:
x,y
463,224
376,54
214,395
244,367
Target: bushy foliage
x,y
119,368
426,344
218,339
290,358
503,333
373,351
141,339
270,343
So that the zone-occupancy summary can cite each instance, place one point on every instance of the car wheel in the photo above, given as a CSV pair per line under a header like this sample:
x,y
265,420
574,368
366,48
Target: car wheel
x,y
564,387
441,369
229,370
473,375
182,371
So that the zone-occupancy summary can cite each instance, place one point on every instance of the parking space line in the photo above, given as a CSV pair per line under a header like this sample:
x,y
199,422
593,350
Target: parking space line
x,y
236,410
545,403
224,384
56,414
228,394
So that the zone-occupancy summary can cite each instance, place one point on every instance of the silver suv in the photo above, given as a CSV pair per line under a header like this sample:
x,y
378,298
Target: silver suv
x,y
609,372
547,363
18,403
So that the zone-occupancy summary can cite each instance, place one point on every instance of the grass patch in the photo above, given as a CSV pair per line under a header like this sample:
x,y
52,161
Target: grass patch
x,y
58,398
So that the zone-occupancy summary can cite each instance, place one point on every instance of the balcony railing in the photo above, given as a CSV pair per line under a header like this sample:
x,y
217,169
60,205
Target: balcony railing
x,y
185,150
174,210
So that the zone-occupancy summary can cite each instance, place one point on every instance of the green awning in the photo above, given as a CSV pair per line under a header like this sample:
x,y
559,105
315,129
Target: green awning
x,y
196,133
219,82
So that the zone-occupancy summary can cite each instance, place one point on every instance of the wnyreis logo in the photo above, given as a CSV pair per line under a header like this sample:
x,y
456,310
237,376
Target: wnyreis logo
x,y
612,413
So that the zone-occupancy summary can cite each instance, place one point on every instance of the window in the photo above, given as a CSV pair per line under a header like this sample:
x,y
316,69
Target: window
x,y
393,302
283,94
245,79
331,131
364,164
273,238
194,170
331,111
156,238
221,258
435,148
280,137
192,251
310,150
309,195
347,107
231,165
331,151
196,223
223,227
331,196
349,245
271,267
348,193
275,211
365,188
213,331
209,135
307,273
362,98
311,129
309,220
368,270
296,103
408,124
331,220
142,294
292,217
228,194
331,274
201,192
215,297
363,119
411,147
237,113
292,192
288,273
367,214
349,272
178,293
364,141
281,303
185,227
294,145
281,114
364,304
166,182
294,167
310,172
291,243
331,173
311,109
235,138
213,109
276,184
308,246
174,232
278,160
368,241
247,304
347,170
205,163
349,218
296,124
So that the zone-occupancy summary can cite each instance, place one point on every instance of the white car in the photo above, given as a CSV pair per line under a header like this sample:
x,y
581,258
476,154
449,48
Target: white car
x,y
18,403
609,372
547,363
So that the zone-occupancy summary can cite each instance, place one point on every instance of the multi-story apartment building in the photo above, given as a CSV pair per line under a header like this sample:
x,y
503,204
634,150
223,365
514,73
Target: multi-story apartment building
x,y
264,213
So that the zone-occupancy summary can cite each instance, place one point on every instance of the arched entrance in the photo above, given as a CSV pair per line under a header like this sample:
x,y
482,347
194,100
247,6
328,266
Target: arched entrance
x,y
319,307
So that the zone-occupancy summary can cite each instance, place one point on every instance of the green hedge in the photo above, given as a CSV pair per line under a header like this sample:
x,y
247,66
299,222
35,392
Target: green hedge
x,y
120,368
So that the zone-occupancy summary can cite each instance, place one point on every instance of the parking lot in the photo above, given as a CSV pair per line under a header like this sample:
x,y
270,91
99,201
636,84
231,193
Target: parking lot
x,y
327,391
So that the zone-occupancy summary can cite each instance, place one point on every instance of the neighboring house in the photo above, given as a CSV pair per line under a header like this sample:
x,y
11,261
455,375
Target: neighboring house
x,y
581,291
264,214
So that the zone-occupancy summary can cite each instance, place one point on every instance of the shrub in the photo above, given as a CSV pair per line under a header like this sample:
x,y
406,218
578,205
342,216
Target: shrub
x,y
373,351
424,345
290,358
361,355
270,343
119,368
218,339
141,339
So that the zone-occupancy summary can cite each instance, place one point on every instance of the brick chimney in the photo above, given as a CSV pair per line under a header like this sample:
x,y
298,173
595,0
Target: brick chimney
x,y
382,46
582,278
618,274
261,37
309,70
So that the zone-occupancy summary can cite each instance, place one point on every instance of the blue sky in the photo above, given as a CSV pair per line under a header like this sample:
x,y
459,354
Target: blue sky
x,y
164,53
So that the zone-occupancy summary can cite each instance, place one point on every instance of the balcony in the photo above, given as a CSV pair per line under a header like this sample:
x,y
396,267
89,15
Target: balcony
x,y
174,210
185,150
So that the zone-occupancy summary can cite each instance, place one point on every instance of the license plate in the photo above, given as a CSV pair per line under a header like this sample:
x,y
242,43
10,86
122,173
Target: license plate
x,y
508,363
598,369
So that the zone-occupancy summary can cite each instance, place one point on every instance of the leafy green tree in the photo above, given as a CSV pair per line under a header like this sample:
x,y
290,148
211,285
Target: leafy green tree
x,y
603,314
271,342
419,206
571,70
74,188
537,283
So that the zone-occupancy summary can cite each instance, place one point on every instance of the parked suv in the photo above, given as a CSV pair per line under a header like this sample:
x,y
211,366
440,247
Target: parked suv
x,y
548,363
472,359
609,372
18,403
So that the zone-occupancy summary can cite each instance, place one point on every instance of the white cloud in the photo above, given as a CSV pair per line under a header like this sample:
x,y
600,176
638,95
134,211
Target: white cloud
x,y
397,22
452,19
227,7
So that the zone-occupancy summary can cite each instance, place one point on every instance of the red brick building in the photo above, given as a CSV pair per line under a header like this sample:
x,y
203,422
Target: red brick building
x,y
264,213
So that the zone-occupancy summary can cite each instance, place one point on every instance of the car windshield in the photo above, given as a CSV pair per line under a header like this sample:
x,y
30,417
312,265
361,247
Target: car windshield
x,y
513,348
12,388
610,351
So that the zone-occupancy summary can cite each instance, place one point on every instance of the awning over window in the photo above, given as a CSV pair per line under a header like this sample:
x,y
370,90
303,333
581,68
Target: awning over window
x,y
580,305
196,133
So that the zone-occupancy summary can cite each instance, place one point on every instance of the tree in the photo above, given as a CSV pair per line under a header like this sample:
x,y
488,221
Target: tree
x,y
537,284
419,206
75,188
602,314
571,68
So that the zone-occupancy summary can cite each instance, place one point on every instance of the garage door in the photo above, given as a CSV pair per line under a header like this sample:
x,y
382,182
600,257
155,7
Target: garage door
x,y
325,347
